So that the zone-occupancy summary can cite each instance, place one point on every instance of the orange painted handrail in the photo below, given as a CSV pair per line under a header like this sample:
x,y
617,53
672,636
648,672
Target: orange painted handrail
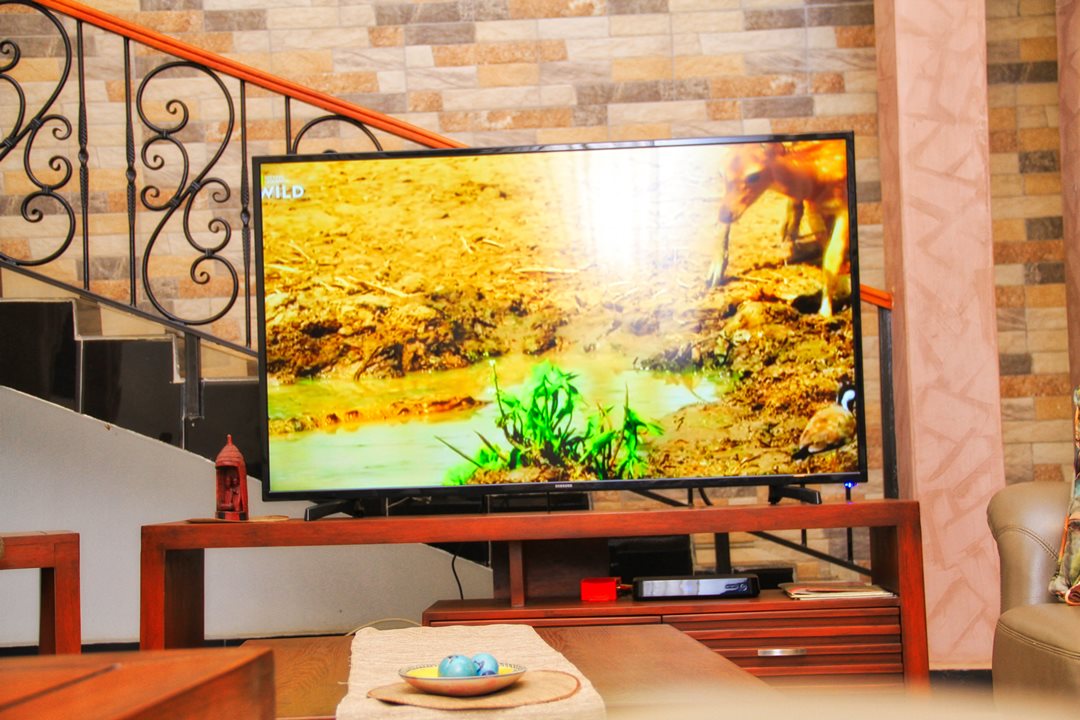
x,y
880,298
249,74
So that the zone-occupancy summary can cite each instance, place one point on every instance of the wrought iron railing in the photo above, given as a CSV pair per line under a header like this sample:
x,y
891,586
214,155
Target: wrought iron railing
x,y
135,151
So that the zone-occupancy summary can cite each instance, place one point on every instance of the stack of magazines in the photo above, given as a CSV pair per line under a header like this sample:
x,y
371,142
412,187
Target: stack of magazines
x,y
817,589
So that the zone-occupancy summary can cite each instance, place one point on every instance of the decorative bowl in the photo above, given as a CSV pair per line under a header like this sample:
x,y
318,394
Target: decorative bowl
x,y
426,678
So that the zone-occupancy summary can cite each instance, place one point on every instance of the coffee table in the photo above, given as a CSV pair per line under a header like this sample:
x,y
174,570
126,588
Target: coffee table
x,y
624,664
232,683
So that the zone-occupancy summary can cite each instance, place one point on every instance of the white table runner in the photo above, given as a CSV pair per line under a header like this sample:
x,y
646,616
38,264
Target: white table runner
x,y
378,654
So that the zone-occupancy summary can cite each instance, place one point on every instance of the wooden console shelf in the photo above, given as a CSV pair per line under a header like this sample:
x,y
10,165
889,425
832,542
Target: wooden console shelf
x,y
824,642
172,592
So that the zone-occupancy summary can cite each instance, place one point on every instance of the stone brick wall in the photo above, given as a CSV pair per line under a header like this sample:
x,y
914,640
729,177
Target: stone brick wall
x,y
1028,245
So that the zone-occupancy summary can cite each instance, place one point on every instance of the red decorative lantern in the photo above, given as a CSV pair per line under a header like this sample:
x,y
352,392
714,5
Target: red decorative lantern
x,y
232,494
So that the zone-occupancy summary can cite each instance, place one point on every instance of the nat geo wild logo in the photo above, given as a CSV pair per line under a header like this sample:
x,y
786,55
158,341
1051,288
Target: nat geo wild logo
x,y
278,187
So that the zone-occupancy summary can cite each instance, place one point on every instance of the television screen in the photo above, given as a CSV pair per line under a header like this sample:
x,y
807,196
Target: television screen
x,y
641,315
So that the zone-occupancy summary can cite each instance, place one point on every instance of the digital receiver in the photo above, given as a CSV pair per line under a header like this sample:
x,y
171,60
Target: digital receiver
x,y
696,586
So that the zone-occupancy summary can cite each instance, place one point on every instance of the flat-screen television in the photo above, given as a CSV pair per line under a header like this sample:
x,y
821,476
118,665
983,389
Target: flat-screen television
x,y
627,315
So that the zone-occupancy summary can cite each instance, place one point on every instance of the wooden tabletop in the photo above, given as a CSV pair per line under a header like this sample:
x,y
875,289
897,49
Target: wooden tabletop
x,y
624,664
311,674
234,683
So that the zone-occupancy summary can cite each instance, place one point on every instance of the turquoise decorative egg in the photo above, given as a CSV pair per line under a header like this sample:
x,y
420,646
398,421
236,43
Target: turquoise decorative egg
x,y
457,666
486,664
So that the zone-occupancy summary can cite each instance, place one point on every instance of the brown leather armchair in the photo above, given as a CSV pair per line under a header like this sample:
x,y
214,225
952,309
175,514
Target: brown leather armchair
x,y
1037,639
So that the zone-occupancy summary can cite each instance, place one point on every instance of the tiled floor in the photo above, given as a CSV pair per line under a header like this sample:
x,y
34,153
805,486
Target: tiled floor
x,y
975,681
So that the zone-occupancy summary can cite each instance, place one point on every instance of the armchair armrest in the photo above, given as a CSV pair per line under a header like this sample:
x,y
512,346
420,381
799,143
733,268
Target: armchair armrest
x,y
1026,520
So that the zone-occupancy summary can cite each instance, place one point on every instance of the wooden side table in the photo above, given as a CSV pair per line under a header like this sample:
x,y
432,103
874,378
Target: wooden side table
x,y
57,555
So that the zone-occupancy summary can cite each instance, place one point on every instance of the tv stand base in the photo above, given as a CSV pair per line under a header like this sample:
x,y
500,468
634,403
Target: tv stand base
x,y
352,508
802,494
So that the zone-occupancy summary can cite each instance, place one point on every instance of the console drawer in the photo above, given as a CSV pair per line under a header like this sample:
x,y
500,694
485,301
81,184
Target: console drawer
x,y
552,621
802,640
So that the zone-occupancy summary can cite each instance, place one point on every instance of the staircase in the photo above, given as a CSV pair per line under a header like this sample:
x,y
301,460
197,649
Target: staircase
x,y
110,364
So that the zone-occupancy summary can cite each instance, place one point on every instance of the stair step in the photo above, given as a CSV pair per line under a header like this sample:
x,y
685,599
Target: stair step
x,y
114,323
17,286
218,363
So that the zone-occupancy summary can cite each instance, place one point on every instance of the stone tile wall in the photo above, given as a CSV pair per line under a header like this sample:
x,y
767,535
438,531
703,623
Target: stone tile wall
x,y
1028,245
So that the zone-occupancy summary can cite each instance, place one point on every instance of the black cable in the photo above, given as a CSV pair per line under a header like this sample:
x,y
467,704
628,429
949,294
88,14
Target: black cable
x,y
453,569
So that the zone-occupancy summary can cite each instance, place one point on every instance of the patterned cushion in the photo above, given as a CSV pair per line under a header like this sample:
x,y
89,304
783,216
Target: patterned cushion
x,y
1066,581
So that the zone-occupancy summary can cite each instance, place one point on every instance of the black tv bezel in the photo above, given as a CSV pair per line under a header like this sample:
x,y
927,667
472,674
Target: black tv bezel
x,y
479,492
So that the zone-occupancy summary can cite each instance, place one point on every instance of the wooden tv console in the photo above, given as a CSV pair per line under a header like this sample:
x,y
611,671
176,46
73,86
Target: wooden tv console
x,y
540,556
812,643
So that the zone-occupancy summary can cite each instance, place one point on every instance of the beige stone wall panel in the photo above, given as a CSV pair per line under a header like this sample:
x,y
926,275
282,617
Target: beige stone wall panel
x,y
562,96
834,82
727,86
167,22
680,6
711,22
644,68
641,131
554,8
1012,26
562,136
509,75
649,112
573,27
657,24
754,41
716,66
441,78
506,30
560,73
386,36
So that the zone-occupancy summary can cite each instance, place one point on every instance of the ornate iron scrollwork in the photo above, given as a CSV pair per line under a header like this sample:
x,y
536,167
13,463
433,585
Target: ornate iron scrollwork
x,y
294,146
186,193
161,186
25,132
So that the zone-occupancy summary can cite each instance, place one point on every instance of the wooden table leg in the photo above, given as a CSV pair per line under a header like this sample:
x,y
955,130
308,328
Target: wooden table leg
x,y
171,601
185,605
896,563
913,605
56,555
60,626
517,574
151,595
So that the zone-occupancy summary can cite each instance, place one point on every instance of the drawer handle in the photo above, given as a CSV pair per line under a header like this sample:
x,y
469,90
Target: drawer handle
x,y
780,652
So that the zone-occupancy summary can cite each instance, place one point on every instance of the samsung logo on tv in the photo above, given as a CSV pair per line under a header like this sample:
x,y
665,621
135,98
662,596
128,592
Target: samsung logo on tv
x,y
277,187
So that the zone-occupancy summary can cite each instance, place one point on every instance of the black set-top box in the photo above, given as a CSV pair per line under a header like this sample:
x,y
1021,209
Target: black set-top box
x,y
696,586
